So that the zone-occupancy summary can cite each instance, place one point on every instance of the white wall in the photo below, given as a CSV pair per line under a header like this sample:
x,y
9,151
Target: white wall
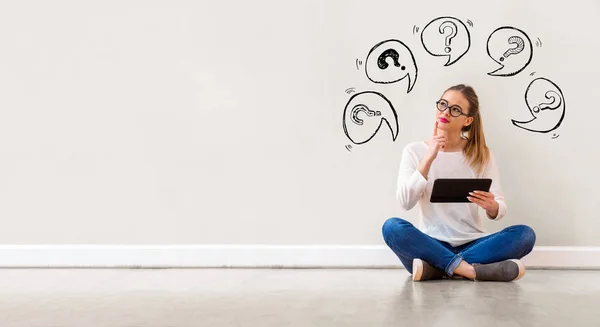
x,y
210,122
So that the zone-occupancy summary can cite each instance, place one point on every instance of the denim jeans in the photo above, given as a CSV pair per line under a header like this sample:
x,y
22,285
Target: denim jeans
x,y
408,242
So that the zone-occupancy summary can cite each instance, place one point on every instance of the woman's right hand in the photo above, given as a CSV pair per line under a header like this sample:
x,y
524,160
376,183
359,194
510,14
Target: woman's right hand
x,y
438,141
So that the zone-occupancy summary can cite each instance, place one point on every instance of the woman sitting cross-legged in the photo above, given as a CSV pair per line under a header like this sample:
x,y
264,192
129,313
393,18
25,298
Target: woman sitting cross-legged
x,y
451,240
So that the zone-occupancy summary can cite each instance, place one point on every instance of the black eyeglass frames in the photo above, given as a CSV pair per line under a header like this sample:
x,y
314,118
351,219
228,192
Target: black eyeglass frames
x,y
455,111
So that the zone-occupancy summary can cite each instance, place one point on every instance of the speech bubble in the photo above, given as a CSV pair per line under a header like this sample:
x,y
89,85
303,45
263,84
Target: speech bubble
x,y
446,37
546,104
391,61
511,48
364,114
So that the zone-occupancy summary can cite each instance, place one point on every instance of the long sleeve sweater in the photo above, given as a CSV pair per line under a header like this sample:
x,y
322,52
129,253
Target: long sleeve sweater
x,y
454,223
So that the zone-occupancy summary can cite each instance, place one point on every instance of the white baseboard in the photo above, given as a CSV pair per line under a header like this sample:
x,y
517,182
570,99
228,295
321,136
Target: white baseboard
x,y
251,256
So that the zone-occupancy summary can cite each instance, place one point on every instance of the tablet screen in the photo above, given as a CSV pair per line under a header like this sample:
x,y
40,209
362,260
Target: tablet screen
x,y
457,189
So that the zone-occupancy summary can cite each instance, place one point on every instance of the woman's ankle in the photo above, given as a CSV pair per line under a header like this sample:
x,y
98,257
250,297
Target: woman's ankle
x,y
466,270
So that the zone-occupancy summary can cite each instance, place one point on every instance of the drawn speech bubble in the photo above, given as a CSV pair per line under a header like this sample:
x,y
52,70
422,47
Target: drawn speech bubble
x,y
546,104
391,61
446,37
511,48
364,115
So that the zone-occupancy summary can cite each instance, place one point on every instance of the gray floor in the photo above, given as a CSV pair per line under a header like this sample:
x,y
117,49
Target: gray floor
x,y
221,297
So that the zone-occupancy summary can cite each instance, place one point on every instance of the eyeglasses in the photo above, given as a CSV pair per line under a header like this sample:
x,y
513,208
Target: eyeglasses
x,y
455,111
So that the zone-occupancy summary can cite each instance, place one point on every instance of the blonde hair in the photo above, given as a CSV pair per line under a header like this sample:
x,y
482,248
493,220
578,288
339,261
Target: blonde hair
x,y
476,149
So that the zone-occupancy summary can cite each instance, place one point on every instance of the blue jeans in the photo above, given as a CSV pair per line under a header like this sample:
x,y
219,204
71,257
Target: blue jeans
x,y
408,242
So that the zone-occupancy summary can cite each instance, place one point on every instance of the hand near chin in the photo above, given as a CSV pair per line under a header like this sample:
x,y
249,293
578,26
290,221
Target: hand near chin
x,y
437,142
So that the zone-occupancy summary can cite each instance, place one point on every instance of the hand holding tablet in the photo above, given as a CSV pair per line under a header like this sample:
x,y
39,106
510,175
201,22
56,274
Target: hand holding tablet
x,y
486,201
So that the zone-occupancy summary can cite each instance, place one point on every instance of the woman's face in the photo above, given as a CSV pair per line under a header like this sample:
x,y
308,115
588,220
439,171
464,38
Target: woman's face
x,y
454,118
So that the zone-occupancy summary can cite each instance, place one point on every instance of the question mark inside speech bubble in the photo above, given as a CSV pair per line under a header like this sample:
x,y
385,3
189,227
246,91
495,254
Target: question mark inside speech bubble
x,y
547,115
361,108
513,59
403,64
552,105
516,50
364,114
453,30
389,53
446,37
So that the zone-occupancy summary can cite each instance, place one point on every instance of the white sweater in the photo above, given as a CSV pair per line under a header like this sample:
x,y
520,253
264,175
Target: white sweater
x,y
455,223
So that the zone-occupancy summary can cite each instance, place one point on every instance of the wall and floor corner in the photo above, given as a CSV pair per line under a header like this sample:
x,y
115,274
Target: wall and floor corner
x,y
253,256
192,134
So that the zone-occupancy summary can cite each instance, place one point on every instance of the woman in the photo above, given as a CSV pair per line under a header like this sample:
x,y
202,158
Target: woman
x,y
451,241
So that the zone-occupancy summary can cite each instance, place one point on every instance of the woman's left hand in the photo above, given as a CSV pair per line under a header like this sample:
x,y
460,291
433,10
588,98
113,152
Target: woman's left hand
x,y
486,201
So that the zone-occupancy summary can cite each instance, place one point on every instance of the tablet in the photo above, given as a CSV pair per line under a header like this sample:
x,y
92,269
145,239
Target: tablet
x,y
457,189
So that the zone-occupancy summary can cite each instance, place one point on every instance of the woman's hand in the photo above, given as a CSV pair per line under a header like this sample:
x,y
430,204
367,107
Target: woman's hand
x,y
486,201
437,142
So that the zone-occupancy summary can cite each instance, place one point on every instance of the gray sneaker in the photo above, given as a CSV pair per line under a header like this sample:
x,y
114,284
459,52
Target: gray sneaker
x,y
503,271
423,271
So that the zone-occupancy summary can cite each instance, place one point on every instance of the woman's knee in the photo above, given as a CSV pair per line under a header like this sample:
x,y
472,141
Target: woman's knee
x,y
527,236
393,228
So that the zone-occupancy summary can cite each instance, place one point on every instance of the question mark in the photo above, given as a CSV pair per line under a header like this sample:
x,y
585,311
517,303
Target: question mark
x,y
382,63
516,50
454,30
549,105
364,109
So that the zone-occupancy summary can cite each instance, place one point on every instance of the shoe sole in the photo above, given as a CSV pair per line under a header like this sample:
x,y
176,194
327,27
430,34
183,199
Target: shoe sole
x,y
417,270
521,269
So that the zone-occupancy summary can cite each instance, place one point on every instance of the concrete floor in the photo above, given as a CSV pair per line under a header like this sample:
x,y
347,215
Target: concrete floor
x,y
262,297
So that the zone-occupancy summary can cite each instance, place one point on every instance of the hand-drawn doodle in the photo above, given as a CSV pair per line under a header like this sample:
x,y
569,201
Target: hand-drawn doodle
x,y
364,114
546,103
446,37
511,48
391,61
